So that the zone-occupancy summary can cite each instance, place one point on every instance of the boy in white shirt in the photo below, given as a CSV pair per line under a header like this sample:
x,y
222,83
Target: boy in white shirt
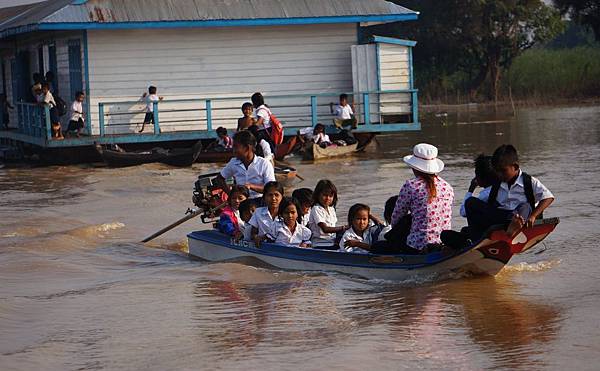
x,y
76,121
150,98
344,113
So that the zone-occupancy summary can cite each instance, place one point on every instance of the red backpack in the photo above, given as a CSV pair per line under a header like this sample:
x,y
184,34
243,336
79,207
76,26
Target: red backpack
x,y
276,129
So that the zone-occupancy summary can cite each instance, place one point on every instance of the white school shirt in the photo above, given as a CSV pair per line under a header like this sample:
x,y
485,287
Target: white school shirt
x,y
305,219
266,148
343,112
150,99
283,235
484,194
265,113
510,199
76,111
263,221
225,142
246,231
48,98
350,234
321,138
318,214
260,171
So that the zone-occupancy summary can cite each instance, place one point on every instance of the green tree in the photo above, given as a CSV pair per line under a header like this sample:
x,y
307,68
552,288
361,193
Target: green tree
x,y
479,38
586,12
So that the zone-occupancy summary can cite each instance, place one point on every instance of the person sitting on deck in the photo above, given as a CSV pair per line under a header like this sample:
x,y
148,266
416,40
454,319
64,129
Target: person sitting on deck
x,y
246,167
150,98
323,219
264,218
230,221
245,122
263,149
223,143
515,201
246,210
288,230
263,118
305,198
344,113
424,206
76,121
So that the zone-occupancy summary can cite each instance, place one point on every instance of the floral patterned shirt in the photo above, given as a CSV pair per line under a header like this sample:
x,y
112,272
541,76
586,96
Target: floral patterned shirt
x,y
429,218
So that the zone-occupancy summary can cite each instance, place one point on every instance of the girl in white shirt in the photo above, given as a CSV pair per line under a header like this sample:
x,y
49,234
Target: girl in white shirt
x,y
264,218
323,219
358,238
288,231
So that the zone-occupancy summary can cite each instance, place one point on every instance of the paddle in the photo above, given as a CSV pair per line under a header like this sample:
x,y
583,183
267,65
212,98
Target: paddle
x,y
189,216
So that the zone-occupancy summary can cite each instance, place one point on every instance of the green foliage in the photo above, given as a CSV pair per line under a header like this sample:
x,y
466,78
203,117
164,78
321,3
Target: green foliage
x,y
586,12
551,73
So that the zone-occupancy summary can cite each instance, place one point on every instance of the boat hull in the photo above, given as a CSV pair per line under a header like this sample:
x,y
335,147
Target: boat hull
x,y
487,257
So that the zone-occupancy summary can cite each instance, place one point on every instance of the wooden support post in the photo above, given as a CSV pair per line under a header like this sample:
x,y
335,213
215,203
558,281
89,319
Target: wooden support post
x,y
208,115
156,122
367,108
313,111
101,118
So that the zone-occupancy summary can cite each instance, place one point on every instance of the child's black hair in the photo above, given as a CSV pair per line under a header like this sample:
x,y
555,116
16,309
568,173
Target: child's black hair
x,y
257,100
484,170
287,201
78,94
245,138
323,186
246,206
390,205
505,155
49,76
152,89
275,185
46,85
221,131
236,188
355,209
319,127
343,97
303,195
37,77
247,105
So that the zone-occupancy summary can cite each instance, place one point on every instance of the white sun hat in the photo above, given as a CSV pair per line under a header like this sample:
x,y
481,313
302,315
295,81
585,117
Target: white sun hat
x,y
424,159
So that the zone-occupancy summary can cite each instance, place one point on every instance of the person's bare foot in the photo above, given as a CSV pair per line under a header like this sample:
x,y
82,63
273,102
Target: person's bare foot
x,y
516,224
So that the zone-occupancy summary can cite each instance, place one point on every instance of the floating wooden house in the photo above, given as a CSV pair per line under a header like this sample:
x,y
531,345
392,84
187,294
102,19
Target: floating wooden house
x,y
206,57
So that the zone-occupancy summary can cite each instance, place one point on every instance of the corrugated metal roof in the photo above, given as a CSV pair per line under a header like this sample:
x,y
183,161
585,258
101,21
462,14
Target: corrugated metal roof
x,y
118,11
6,14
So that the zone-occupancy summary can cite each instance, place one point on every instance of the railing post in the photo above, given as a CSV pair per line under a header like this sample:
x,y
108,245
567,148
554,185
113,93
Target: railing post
x,y
156,122
367,108
415,107
208,115
101,118
313,110
47,122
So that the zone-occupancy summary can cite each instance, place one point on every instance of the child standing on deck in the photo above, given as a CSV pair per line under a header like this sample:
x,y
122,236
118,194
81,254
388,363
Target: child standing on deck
x,y
150,98
247,120
288,230
230,221
76,122
4,108
264,218
46,98
344,113
515,201
323,219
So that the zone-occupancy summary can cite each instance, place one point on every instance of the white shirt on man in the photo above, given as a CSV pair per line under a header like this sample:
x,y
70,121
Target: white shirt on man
x,y
511,198
260,171
150,99
76,111
264,112
351,235
263,221
320,214
282,234
343,112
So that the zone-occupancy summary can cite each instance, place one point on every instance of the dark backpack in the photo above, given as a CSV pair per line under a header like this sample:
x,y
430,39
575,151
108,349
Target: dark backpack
x,y
61,106
528,188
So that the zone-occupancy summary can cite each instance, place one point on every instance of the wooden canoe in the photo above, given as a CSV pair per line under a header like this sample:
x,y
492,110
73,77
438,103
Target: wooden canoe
x,y
118,157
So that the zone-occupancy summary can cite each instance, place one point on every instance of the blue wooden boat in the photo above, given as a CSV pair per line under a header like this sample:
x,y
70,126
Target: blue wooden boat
x,y
486,257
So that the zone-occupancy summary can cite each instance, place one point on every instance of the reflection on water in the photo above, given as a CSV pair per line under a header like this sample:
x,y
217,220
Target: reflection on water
x,y
77,291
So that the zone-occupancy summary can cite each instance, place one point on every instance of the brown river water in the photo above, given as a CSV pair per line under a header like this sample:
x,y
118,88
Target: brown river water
x,y
77,292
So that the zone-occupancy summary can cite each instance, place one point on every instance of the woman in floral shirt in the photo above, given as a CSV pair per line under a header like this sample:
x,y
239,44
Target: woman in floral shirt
x,y
425,202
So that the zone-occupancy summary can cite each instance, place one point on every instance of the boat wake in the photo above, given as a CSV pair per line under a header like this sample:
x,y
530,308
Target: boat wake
x,y
541,266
